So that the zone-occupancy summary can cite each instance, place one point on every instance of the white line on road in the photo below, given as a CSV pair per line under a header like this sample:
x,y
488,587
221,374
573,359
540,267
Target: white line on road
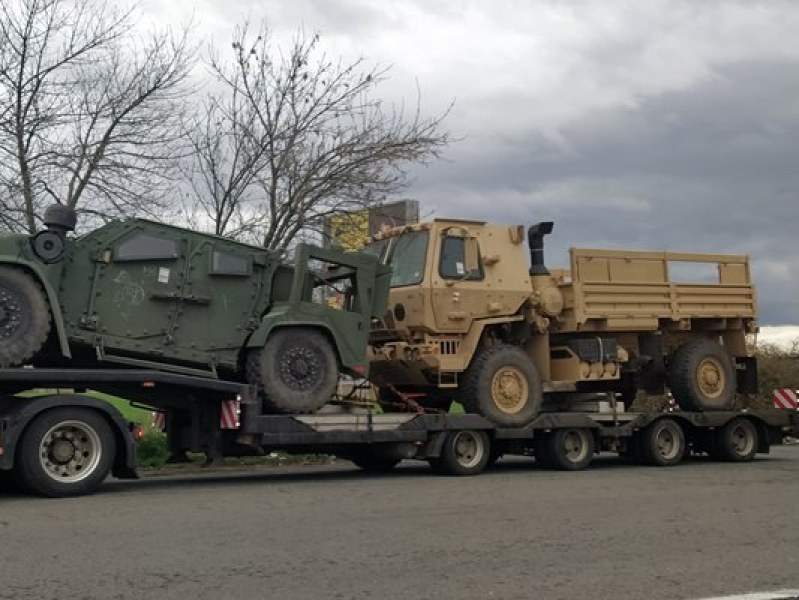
x,y
776,595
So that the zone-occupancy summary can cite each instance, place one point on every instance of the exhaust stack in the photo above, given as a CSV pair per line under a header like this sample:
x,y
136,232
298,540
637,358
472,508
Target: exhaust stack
x,y
535,240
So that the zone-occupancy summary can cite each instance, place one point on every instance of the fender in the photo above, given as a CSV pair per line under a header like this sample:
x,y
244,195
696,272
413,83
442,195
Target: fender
x,y
469,344
38,273
17,413
347,331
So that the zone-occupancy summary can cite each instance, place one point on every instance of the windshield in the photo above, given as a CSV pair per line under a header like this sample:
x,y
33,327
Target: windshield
x,y
404,254
407,258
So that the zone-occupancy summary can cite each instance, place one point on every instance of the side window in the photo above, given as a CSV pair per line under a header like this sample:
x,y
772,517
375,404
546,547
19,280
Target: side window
x,y
228,263
453,260
145,246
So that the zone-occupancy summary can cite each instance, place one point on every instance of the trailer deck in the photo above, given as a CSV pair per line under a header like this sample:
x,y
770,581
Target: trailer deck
x,y
459,444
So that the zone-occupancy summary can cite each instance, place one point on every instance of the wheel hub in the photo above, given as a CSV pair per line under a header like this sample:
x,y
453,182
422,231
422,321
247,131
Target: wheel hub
x,y
468,450
741,441
300,368
62,451
573,446
70,451
509,390
666,443
710,377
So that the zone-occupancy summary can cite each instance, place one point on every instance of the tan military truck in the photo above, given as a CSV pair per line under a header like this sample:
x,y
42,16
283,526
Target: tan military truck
x,y
470,319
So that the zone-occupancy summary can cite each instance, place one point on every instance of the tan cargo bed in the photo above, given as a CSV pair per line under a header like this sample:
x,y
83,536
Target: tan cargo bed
x,y
636,287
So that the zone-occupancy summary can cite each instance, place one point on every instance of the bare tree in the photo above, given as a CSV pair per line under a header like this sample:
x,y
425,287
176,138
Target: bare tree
x,y
295,136
222,171
90,113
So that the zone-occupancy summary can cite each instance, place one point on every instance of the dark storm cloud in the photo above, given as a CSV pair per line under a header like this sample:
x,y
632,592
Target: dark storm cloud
x,y
659,124
713,167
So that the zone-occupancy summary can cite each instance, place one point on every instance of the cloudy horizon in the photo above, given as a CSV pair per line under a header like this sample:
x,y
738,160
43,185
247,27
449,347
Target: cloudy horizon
x,y
657,125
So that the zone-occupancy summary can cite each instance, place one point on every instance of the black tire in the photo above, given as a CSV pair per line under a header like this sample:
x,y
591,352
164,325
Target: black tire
x,y
465,452
737,441
24,317
374,463
662,443
297,370
8,483
503,385
702,377
568,449
65,452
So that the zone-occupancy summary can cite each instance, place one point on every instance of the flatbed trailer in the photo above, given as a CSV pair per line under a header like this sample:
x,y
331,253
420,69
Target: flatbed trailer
x,y
59,441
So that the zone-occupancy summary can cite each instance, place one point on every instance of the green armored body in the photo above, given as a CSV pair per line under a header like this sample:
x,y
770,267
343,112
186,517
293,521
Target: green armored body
x,y
142,294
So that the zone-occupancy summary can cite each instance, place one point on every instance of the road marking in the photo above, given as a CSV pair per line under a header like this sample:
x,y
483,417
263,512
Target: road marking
x,y
776,595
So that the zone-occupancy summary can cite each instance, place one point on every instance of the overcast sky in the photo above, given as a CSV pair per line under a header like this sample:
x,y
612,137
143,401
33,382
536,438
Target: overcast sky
x,y
660,125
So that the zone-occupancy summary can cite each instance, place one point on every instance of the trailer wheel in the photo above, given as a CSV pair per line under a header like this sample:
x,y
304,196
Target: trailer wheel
x,y
568,449
24,317
503,385
373,463
701,376
662,443
464,452
297,370
735,442
65,452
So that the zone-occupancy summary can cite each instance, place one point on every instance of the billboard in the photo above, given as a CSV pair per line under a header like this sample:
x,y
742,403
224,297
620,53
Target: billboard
x,y
351,230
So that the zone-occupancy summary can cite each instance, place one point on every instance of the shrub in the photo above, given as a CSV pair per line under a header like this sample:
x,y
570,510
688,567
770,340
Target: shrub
x,y
151,450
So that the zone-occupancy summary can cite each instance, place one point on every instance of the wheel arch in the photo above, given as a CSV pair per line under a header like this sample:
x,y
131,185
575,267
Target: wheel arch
x,y
484,330
35,271
20,418
258,339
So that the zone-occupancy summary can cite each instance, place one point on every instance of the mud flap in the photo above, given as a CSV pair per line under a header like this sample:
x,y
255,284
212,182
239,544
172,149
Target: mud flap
x,y
434,445
746,374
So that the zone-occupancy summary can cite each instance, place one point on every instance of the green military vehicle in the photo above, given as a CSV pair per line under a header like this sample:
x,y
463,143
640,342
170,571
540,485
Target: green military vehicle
x,y
218,336
140,294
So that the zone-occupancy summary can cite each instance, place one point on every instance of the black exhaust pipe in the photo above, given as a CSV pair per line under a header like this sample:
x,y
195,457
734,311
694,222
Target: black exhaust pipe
x,y
535,240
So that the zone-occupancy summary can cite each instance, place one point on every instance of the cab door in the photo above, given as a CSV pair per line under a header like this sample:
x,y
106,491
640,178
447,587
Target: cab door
x,y
458,281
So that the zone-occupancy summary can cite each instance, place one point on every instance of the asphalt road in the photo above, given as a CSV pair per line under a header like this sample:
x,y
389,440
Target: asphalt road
x,y
614,531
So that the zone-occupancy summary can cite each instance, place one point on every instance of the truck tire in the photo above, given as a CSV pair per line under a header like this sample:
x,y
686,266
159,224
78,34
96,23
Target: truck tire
x,y
737,441
24,317
374,463
503,385
65,452
8,483
662,443
568,449
297,370
465,452
701,376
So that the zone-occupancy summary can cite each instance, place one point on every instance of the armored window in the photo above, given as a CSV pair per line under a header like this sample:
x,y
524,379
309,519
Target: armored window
x,y
407,259
227,263
146,246
452,264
